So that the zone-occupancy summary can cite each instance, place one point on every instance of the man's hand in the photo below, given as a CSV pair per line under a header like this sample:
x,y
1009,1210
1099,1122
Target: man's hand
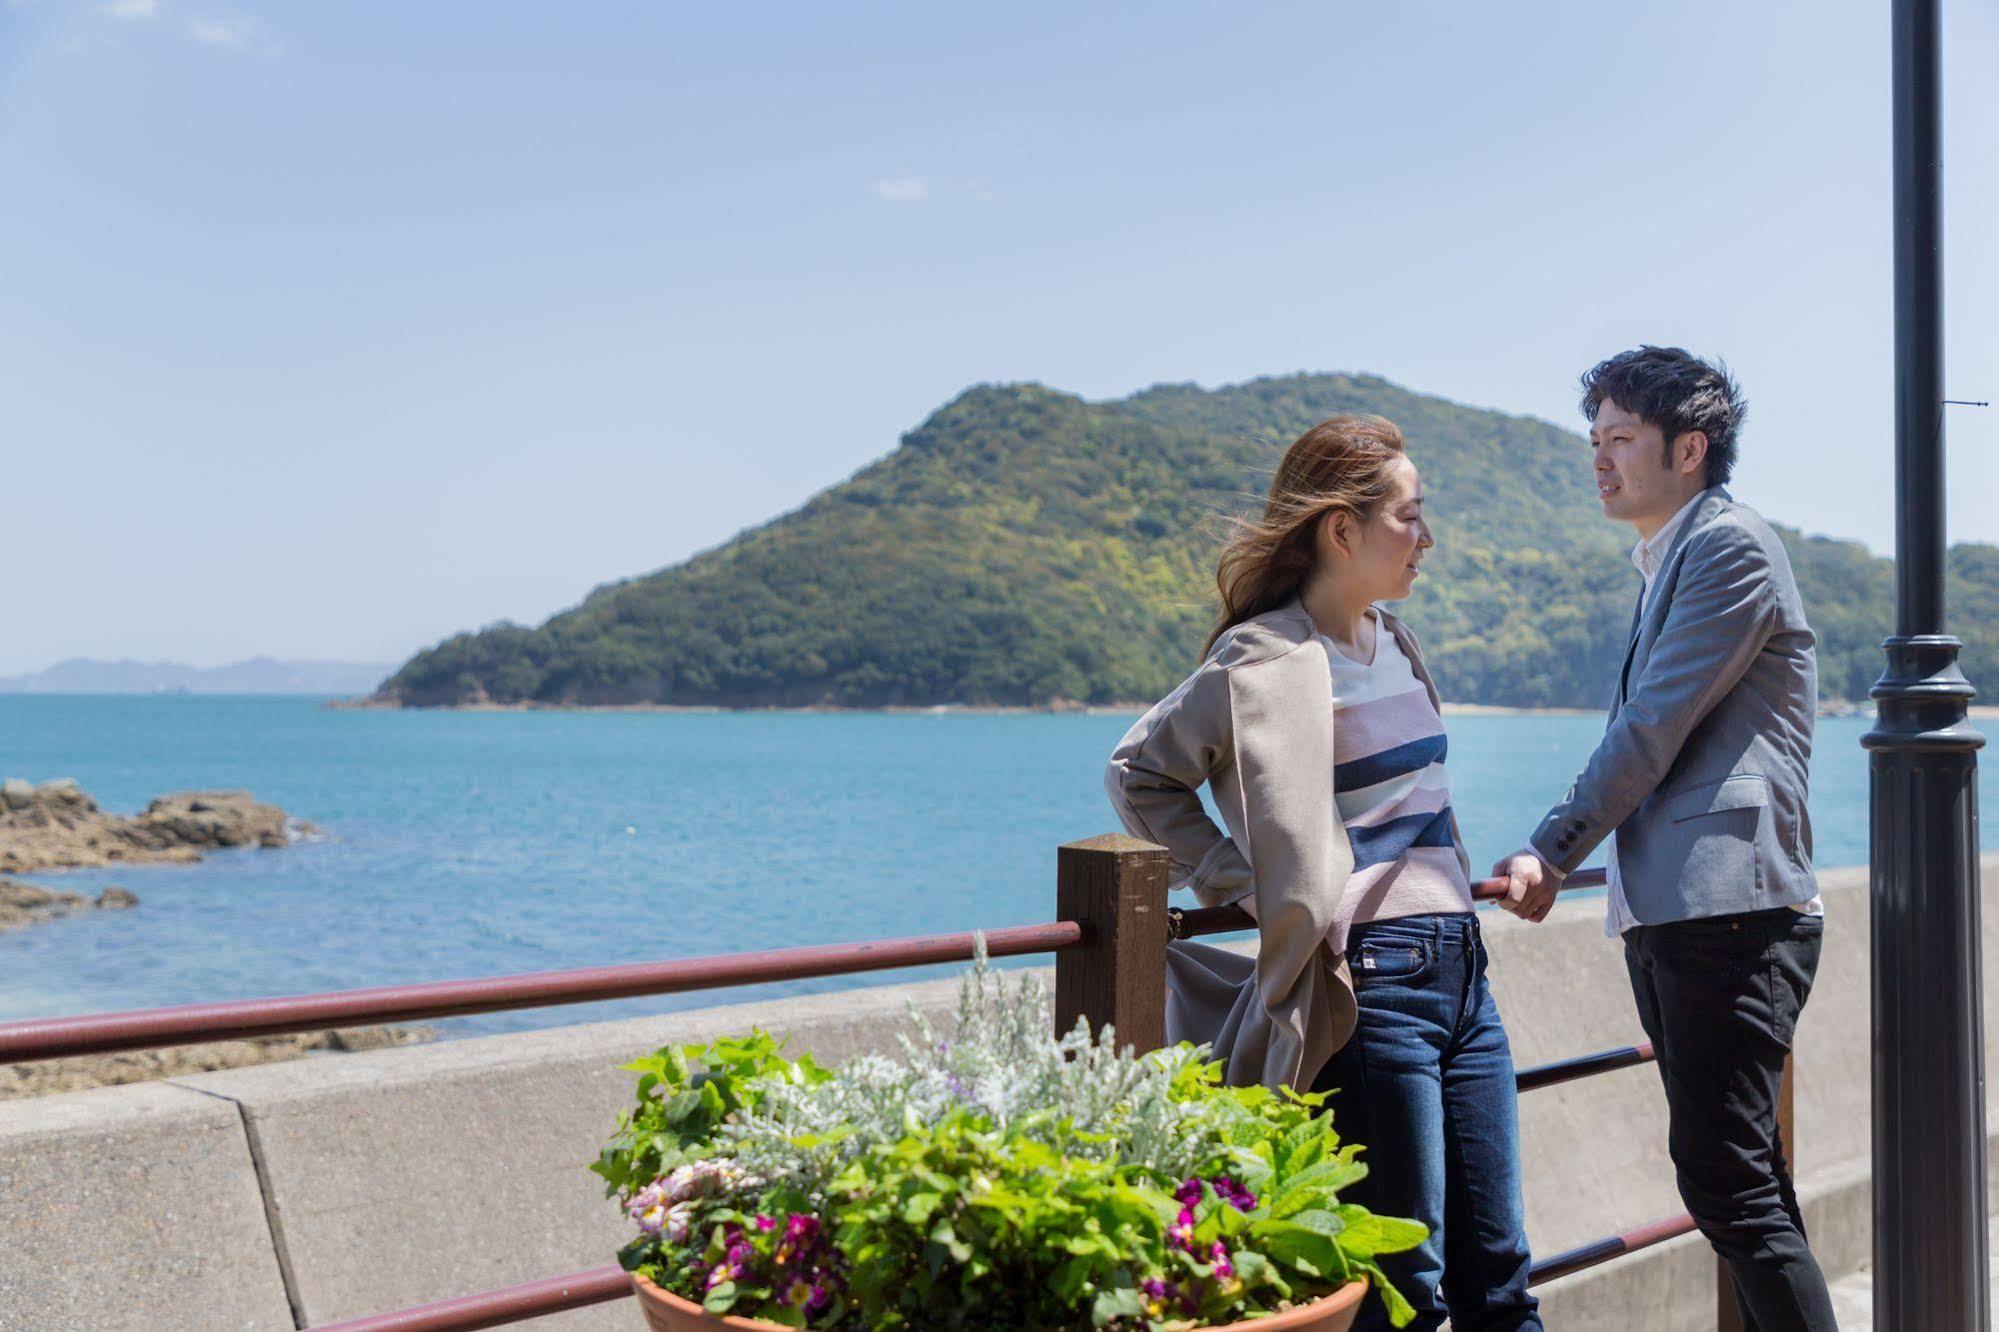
x,y
1531,884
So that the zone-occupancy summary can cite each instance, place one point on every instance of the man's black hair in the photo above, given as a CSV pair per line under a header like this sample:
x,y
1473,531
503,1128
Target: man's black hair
x,y
1677,391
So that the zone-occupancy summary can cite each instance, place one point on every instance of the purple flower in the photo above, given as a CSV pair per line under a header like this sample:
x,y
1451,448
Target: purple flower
x,y
801,1232
1189,1193
1234,1194
1180,1235
1160,1294
1219,1256
763,1222
809,1295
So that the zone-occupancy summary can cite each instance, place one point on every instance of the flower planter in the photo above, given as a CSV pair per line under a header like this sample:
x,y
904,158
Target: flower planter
x,y
667,1312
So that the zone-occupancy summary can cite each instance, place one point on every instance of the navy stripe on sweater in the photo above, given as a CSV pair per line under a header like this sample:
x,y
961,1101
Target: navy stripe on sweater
x,y
1392,840
1397,762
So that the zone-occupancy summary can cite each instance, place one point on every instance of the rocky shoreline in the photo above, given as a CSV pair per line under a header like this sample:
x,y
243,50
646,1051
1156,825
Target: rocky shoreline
x,y
50,1076
58,826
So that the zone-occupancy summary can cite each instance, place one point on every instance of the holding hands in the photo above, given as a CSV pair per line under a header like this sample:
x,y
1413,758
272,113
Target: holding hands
x,y
1531,884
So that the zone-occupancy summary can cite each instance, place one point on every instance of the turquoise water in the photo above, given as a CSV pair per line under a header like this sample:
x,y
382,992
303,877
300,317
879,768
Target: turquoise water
x,y
467,844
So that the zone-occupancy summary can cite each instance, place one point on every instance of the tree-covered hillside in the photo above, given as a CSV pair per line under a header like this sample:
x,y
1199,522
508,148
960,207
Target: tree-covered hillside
x,y
1026,546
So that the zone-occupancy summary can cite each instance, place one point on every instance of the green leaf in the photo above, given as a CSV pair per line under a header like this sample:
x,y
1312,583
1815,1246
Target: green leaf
x,y
1317,1186
1400,1311
636,1252
1367,1234
918,1207
942,1233
1121,1302
1329,1224
1299,1246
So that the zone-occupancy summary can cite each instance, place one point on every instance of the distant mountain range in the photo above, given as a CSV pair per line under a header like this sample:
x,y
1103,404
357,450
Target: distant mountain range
x,y
1025,546
259,675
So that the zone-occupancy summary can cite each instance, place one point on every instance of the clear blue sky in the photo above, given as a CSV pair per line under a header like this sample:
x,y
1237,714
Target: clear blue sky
x,y
330,329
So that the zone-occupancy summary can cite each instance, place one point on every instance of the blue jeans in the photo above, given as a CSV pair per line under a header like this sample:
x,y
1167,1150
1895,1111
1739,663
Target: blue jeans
x,y
1426,1084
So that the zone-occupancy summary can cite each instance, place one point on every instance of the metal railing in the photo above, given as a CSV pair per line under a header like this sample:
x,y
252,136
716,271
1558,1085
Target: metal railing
x,y
239,1019
1110,966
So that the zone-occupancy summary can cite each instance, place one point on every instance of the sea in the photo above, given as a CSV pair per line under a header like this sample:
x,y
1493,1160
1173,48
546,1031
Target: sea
x,y
463,844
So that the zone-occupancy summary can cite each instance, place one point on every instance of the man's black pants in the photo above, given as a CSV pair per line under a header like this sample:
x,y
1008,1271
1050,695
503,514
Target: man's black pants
x,y
1719,999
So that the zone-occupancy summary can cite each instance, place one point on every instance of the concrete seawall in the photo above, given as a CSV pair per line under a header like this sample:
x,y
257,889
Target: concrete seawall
x,y
296,1194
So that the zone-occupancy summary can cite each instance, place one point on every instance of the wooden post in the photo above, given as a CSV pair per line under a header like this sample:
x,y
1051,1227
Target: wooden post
x,y
1115,885
1728,1316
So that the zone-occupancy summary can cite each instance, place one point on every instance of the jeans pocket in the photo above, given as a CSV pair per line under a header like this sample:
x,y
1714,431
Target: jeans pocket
x,y
1391,959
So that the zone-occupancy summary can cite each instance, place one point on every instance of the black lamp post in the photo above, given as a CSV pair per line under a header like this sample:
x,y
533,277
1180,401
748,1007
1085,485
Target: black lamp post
x,y
1930,1258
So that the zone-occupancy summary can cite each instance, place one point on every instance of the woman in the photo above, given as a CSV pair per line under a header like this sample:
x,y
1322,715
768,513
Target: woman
x,y
1318,732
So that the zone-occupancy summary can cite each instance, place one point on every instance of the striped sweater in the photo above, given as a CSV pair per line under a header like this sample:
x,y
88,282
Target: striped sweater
x,y
1392,791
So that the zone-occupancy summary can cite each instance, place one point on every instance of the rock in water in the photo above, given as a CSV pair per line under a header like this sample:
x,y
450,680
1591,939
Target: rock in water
x,y
58,826
24,904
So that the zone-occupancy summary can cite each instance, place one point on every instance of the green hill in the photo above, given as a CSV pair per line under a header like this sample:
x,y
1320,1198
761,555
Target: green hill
x,y
1024,546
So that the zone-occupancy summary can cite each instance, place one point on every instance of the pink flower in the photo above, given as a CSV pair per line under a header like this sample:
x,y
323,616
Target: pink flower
x,y
648,1207
1234,1194
801,1232
1219,1256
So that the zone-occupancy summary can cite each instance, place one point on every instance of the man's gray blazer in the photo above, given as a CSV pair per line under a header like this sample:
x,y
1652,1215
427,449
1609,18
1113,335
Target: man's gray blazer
x,y
1702,770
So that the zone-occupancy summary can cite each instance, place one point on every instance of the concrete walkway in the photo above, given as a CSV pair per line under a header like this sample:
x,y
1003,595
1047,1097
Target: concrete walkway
x,y
1853,1298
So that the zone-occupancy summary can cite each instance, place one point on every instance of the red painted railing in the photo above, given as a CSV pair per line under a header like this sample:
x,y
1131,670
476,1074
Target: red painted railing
x,y
150,1028
1110,955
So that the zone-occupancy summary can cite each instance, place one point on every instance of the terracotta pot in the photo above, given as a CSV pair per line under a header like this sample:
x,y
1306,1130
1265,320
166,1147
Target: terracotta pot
x,y
667,1312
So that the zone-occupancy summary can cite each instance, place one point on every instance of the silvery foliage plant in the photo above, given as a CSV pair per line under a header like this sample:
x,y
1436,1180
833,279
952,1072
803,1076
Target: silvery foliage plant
x,y
999,1059
997,1171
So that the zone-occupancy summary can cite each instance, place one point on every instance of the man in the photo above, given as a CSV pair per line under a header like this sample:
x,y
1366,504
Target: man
x,y
1697,792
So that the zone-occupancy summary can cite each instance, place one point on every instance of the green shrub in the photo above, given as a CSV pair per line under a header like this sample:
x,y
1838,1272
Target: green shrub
x,y
1000,1177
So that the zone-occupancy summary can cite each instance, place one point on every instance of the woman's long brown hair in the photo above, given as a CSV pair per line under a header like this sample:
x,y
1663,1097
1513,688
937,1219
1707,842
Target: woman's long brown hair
x,y
1342,464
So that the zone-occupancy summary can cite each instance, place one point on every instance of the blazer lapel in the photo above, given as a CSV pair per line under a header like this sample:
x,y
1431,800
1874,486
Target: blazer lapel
x,y
1711,502
1630,650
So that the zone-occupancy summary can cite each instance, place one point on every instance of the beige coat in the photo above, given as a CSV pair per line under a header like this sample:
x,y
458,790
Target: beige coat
x,y
1255,722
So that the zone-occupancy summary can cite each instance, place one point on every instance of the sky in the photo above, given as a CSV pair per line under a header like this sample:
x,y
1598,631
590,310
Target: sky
x,y
330,329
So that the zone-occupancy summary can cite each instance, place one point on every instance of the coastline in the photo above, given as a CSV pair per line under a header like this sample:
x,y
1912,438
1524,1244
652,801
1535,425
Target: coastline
x,y
1978,711
1057,708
